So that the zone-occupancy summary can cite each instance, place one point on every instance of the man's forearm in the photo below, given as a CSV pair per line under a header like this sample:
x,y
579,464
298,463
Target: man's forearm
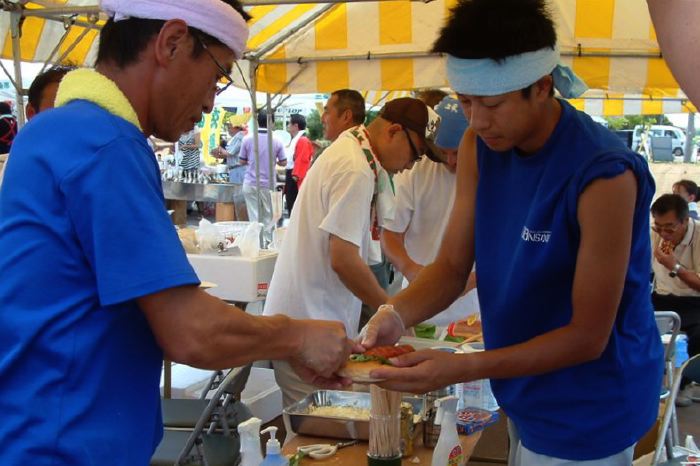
x,y
359,279
197,329
395,250
564,347
690,278
677,31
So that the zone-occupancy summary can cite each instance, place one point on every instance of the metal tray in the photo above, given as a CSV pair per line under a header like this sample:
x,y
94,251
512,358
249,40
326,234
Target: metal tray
x,y
297,415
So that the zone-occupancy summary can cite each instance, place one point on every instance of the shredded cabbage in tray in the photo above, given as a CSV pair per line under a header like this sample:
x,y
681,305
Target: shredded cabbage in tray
x,y
345,412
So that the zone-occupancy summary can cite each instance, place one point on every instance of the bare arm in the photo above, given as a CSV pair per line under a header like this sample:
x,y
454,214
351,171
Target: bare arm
x,y
395,250
200,330
678,34
354,273
690,278
605,217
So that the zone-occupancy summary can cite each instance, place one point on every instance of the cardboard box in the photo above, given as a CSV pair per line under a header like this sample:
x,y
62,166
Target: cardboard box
x,y
239,279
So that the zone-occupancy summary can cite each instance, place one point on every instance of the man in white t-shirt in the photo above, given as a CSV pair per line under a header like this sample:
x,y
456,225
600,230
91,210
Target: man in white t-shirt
x,y
424,198
322,271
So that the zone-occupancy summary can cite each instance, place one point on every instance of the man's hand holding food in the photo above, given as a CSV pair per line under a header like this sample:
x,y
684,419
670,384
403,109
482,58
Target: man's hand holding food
x,y
323,349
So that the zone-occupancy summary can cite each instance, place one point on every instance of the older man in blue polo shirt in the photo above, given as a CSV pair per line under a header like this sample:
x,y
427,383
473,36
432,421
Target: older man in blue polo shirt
x,y
96,288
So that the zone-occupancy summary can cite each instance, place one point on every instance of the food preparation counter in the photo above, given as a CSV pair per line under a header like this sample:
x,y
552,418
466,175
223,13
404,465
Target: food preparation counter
x,y
230,204
356,455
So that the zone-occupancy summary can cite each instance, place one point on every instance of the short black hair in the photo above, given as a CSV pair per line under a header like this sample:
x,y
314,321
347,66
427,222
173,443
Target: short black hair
x,y
432,97
496,29
299,120
262,119
53,75
350,99
690,187
121,42
670,203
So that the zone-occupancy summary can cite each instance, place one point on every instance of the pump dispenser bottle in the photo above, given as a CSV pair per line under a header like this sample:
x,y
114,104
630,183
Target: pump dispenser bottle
x,y
448,451
273,450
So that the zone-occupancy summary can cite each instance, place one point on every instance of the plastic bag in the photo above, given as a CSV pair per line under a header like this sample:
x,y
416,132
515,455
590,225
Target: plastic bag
x,y
210,239
249,241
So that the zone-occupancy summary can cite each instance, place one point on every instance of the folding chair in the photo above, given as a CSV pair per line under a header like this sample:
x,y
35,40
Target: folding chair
x,y
669,322
213,441
691,370
182,413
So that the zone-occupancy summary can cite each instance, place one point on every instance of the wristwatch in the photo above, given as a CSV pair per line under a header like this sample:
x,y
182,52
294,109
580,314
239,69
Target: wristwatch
x,y
674,271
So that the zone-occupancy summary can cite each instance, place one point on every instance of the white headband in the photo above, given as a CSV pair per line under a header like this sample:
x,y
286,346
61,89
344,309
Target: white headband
x,y
213,17
487,77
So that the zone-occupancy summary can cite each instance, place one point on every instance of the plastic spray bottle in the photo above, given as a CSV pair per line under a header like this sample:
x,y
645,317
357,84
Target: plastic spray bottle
x,y
249,432
273,450
448,451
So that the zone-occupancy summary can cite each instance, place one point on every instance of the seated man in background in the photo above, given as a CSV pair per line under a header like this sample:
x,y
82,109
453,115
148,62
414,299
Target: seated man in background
x,y
676,244
42,92
424,199
688,190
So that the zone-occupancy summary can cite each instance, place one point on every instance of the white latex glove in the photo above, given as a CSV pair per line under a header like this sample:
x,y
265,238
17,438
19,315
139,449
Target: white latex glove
x,y
384,328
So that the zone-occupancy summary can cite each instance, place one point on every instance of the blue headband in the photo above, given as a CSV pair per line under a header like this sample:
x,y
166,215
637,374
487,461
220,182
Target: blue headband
x,y
487,77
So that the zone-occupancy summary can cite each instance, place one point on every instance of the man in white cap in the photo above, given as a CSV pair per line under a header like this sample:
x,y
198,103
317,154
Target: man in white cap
x,y
96,289
424,199
322,270
572,348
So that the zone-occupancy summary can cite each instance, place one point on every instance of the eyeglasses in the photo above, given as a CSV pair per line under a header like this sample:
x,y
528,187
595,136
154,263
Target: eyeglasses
x,y
416,155
222,71
670,229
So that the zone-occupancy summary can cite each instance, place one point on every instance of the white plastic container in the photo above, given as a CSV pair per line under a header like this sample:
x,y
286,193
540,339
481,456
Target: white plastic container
x,y
249,432
448,451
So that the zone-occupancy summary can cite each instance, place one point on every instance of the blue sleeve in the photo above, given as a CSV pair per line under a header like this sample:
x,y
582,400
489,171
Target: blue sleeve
x,y
117,206
609,165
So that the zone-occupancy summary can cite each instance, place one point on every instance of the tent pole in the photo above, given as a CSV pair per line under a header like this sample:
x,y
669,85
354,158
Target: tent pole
x,y
55,49
67,10
16,28
690,134
73,45
256,143
270,128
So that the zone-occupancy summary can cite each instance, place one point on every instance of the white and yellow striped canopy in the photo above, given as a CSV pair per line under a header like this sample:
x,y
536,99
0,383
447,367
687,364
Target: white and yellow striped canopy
x,y
384,46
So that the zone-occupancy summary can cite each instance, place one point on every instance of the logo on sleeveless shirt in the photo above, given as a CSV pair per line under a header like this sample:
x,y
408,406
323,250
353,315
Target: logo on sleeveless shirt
x,y
533,236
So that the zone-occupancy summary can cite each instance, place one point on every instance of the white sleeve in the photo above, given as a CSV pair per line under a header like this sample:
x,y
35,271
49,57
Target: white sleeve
x,y
405,205
348,199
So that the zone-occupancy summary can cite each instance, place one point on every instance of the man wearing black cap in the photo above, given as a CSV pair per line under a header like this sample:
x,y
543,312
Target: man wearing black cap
x,y
322,270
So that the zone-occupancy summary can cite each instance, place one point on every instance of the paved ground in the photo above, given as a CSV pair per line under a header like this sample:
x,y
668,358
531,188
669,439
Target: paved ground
x,y
666,174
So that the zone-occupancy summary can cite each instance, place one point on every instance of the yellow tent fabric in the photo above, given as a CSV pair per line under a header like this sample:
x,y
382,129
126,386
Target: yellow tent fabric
x,y
384,46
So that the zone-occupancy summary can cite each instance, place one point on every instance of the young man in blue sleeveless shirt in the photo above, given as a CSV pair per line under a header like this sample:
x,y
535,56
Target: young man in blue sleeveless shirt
x,y
573,352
